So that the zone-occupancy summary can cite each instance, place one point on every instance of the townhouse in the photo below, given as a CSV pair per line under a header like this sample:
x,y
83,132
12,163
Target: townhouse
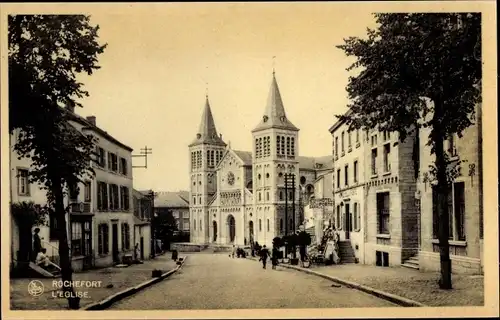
x,y
100,217
465,202
349,188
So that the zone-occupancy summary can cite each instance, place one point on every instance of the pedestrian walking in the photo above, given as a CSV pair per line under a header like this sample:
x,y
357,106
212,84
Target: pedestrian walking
x,y
234,251
264,254
274,258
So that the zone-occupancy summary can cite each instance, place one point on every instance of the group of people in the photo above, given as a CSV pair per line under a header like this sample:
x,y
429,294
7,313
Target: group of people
x,y
264,254
39,253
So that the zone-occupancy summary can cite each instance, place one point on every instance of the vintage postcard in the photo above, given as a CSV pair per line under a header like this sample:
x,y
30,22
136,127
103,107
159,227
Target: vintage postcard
x,y
249,160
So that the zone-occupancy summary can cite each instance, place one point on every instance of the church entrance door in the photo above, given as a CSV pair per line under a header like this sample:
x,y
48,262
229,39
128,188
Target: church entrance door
x,y
215,231
232,228
250,229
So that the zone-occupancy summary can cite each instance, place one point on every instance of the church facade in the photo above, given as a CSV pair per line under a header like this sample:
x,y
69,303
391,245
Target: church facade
x,y
240,197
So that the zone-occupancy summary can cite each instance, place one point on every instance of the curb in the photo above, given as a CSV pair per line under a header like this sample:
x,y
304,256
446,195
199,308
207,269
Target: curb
x,y
107,302
378,293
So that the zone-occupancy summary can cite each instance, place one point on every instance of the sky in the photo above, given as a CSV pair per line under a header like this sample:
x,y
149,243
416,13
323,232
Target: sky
x,y
160,63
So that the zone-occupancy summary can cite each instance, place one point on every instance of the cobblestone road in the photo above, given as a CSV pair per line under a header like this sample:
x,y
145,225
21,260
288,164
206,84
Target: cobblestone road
x,y
215,281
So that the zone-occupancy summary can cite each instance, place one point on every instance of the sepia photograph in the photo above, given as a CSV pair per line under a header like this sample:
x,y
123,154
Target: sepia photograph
x,y
265,160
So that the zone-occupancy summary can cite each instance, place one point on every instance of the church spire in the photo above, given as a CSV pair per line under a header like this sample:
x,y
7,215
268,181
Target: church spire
x,y
207,132
274,114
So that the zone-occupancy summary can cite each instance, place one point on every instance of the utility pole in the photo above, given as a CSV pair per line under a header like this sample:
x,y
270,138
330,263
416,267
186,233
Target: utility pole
x,y
151,196
292,176
144,154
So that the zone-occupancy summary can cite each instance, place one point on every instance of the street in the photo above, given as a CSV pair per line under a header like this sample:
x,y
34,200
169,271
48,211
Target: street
x,y
215,281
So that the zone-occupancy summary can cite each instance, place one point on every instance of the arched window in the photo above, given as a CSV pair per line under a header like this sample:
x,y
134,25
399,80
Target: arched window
x,y
268,225
201,226
267,196
194,225
260,198
194,198
281,225
281,195
291,227
260,225
278,145
287,146
292,147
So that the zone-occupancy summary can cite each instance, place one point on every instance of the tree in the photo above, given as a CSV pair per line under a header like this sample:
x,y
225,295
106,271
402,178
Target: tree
x,y
413,59
46,52
164,226
27,216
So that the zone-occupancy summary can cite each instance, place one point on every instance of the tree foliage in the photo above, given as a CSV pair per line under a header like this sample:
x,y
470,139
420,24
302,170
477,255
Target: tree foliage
x,y
29,214
410,59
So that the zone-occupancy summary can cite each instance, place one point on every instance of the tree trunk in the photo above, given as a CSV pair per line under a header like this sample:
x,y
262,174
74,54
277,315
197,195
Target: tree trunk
x,y
65,259
442,207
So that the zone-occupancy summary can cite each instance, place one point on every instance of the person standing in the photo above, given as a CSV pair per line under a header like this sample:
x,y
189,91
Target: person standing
x,y
264,254
37,244
234,251
274,258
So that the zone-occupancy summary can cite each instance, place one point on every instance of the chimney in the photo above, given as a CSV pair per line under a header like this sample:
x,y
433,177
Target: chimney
x,y
91,119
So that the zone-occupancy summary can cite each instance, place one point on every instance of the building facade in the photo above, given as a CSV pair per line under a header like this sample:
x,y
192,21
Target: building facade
x,y
465,202
392,214
239,197
349,186
398,222
100,218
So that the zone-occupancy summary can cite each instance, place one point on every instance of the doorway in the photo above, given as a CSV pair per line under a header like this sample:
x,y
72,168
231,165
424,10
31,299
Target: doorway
x,y
116,258
250,231
215,231
232,228
141,245
348,222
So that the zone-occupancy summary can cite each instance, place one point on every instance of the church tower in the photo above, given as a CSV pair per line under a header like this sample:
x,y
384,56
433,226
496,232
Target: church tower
x,y
205,151
275,153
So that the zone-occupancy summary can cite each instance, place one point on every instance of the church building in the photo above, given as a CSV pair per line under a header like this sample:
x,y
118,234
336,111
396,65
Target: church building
x,y
239,197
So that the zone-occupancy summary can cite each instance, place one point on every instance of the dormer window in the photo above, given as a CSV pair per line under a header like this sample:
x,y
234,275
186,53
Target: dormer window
x,y
198,136
282,118
265,118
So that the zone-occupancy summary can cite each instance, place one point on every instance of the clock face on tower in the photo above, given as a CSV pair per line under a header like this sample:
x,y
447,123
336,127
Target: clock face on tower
x,y
230,178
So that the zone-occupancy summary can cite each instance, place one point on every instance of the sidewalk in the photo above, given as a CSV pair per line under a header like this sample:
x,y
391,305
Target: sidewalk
x,y
119,278
411,284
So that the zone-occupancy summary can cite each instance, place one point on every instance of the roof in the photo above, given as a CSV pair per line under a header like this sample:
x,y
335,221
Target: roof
x,y
339,122
89,126
184,195
138,194
171,199
207,133
274,114
245,156
310,163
